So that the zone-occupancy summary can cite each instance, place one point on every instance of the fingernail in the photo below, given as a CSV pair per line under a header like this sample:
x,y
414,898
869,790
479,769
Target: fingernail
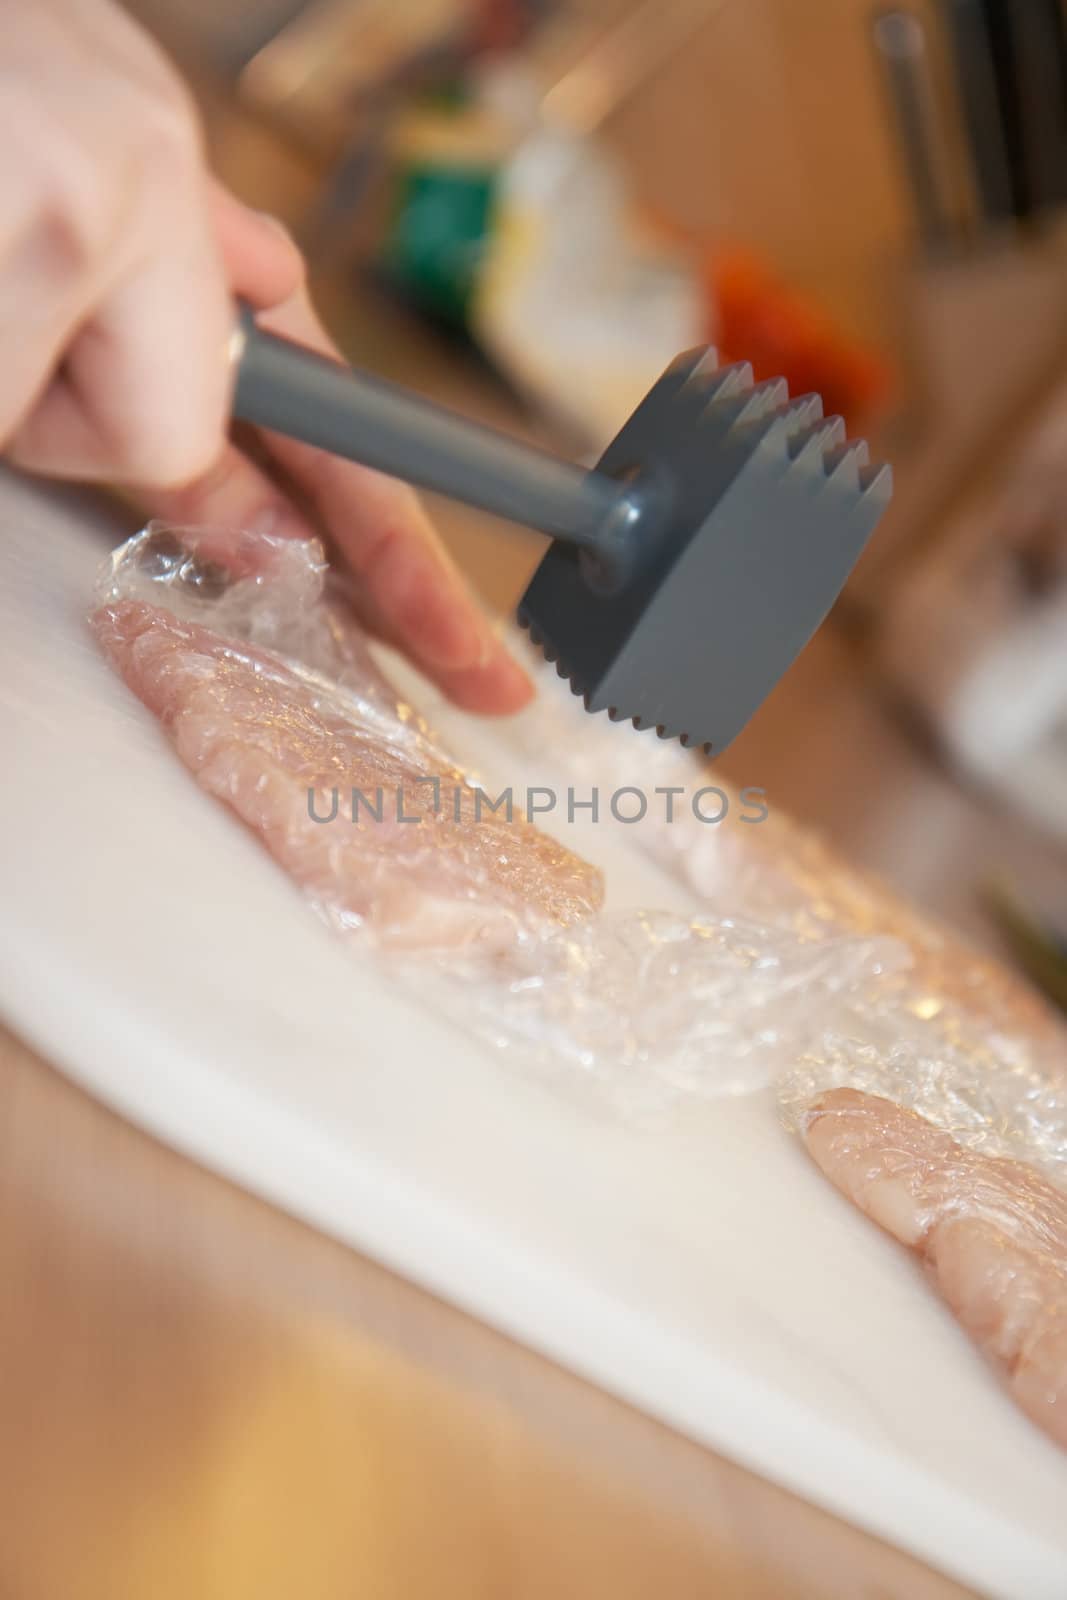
x,y
461,645
515,676
276,224
276,520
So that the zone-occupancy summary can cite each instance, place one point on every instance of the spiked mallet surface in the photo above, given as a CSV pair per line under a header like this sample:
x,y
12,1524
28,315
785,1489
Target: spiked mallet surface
x,y
765,508
686,572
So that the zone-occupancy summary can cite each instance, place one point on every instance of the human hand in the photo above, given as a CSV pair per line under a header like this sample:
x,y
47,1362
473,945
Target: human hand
x,y
120,259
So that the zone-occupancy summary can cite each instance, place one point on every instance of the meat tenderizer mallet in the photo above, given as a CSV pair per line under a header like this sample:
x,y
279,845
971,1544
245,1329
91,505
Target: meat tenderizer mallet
x,y
686,572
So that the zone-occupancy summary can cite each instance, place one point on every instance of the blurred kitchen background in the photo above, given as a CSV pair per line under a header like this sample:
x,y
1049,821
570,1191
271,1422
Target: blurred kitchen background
x,y
524,208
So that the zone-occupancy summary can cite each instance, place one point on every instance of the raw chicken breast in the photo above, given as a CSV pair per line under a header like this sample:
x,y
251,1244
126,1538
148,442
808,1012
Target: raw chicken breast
x,y
425,864
776,872
991,1233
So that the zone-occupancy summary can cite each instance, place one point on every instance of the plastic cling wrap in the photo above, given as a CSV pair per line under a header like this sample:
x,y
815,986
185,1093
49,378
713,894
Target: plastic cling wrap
x,y
933,1094
997,1093
777,873
244,648
991,1233
648,1008
911,1066
799,970
341,780
940,1028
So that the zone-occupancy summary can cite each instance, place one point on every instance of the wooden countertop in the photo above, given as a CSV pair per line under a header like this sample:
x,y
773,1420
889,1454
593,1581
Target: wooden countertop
x,y
200,1396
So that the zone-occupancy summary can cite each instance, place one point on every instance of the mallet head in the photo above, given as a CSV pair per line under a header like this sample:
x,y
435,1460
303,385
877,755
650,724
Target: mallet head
x,y
749,513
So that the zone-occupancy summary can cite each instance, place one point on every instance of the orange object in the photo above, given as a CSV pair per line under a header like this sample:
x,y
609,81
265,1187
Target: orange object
x,y
758,318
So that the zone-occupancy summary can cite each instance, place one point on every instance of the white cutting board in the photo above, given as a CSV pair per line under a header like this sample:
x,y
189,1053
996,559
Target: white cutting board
x,y
705,1273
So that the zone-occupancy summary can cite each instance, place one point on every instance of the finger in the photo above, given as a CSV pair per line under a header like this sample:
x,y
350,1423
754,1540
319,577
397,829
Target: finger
x,y
47,287
500,692
262,262
234,494
388,541
143,394
237,495
495,688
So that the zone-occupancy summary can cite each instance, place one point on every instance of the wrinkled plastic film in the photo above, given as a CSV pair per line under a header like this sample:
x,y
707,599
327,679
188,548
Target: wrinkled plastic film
x,y
1001,1094
270,693
991,1233
802,972
937,1028
774,871
274,703
273,593
932,1092
910,1064
647,1008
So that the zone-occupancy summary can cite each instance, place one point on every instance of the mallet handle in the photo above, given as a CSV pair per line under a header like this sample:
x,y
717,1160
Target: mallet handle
x,y
291,390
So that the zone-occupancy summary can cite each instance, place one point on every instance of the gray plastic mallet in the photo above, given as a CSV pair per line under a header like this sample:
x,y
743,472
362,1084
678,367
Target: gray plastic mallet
x,y
686,572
